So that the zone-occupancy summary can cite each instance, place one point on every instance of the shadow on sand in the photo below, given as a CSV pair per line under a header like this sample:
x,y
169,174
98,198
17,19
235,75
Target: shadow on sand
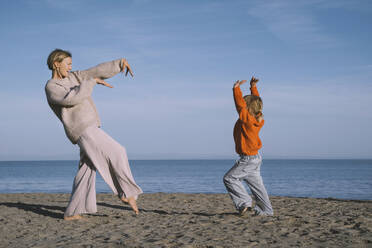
x,y
103,204
48,210
37,208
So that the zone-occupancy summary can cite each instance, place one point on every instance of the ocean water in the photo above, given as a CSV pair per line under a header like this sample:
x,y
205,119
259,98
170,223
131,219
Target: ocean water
x,y
343,179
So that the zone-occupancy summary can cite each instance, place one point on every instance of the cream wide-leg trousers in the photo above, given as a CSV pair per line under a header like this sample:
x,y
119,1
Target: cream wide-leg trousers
x,y
98,151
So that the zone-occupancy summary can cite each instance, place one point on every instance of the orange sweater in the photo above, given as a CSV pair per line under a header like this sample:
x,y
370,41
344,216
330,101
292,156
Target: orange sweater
x,y
247,141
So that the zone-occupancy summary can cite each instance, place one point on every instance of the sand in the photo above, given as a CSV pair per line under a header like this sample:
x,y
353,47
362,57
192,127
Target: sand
x,y
184,220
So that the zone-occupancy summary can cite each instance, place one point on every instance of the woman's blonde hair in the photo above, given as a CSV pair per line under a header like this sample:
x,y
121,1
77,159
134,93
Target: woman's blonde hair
x,y
57,55
254,105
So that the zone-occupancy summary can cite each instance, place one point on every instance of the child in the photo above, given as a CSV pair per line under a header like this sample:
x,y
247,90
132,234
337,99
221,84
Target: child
x,y
247,144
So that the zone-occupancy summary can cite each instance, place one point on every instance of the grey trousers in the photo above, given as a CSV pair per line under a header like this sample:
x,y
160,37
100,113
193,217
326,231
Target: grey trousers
x,y
98,151
247,168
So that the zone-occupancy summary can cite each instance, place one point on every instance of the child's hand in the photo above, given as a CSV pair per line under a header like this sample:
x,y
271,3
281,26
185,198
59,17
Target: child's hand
x,y
254,81
238,83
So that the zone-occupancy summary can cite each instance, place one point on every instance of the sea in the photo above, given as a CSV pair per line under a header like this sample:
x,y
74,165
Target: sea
x,y
322,178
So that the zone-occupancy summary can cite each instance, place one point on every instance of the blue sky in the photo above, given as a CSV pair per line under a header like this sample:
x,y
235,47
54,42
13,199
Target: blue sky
x,y
314,59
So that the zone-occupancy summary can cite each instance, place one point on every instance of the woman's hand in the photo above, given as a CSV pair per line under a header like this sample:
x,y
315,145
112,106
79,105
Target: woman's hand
x,y
254,81
124,67
238,83
100,81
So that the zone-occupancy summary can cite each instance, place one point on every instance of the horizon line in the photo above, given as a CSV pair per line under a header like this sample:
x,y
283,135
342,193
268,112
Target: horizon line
x,y
159,159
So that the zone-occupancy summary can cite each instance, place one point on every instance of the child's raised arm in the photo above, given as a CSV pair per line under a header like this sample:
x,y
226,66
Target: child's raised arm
x,y
238,96
238,83
254,90
240,104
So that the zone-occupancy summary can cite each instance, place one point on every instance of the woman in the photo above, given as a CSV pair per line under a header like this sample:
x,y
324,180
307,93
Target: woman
x,y
69,96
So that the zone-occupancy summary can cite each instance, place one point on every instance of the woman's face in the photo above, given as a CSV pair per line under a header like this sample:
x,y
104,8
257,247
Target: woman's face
x,y
64,67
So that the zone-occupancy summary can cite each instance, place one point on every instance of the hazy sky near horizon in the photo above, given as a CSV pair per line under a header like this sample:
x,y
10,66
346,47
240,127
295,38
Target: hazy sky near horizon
x,y
313,58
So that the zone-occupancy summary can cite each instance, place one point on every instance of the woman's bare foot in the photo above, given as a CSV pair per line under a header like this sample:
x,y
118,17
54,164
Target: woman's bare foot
x,y
133,204
124,199
74,217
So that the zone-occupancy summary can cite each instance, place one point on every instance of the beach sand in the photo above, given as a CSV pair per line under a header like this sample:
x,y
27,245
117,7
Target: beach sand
x,y
184,220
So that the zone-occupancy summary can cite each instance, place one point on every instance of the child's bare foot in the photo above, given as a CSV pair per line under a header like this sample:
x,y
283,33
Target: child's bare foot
x,y
244,210
133,204
74,217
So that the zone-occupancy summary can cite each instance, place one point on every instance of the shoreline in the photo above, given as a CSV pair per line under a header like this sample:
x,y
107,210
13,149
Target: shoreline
x,y
203,193
178,159
184,220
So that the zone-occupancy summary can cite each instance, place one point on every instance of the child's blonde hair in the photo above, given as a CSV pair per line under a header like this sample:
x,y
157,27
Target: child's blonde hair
x,y
254,105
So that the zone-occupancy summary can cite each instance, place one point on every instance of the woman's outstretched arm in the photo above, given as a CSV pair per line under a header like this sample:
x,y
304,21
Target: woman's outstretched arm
x,y
107,69
58,94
